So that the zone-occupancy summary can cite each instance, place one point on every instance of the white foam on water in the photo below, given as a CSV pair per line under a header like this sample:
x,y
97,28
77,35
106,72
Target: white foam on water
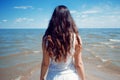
x,y
101,59
36,51
105,43
104,60
114,40
111,46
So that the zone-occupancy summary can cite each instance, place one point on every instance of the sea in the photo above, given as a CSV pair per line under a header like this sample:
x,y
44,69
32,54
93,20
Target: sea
x,y
21,52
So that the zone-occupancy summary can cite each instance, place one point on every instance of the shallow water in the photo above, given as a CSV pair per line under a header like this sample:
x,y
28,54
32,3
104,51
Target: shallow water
x,y
103,45
20,50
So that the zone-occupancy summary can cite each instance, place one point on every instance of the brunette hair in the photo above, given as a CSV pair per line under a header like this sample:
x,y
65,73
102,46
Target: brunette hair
x,y
57,36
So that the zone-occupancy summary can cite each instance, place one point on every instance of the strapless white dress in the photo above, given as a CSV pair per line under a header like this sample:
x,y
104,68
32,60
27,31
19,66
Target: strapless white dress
x,y
63,70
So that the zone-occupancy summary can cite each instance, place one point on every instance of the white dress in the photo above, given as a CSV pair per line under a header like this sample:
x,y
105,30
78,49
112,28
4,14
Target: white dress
x,y
63,70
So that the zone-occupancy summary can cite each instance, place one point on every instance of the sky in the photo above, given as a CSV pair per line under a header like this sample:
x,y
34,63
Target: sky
x,y
37,13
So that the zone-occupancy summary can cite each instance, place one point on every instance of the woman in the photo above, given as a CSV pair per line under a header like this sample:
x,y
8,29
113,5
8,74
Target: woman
x,y
61,46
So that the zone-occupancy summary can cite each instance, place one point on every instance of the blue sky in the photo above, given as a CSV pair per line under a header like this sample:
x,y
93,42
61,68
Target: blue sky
x,y
37,13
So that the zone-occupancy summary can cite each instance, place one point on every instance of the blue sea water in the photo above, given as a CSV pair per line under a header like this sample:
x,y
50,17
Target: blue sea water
x,y
23,46
14,41
103,42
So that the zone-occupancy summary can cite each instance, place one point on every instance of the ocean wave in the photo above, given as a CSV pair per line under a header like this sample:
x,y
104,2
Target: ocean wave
x,y
111,46
109,64
105,43
105,60
114,40
96,45
36,51
112,66
102,60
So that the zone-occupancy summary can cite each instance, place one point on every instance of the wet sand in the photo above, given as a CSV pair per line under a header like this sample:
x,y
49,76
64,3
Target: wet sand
x,y
95,69
92,71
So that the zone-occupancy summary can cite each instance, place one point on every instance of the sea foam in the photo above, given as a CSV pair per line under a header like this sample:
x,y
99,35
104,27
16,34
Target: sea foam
x,y
114,40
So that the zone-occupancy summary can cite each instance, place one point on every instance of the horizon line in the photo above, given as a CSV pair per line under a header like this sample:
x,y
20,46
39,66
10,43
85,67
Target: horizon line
x,y
46,28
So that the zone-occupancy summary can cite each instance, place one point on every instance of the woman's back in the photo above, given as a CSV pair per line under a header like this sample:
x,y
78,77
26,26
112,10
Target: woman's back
x,y
62,68
61,47
65,64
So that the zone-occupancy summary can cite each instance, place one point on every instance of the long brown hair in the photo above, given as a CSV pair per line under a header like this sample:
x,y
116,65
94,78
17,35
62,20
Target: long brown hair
x,y
58,33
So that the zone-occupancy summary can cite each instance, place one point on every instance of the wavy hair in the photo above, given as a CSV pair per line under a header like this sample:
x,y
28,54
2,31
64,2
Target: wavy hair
x,y
58,33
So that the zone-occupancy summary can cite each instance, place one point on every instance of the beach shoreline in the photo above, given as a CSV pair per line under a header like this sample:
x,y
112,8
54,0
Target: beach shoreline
x,y
21,53
92,71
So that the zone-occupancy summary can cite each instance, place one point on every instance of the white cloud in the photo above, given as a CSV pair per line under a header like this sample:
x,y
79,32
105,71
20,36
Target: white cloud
x,y
96,16
73,11
19,20
93,10
105,16
23,7
4,20
84,16
90,12
99,21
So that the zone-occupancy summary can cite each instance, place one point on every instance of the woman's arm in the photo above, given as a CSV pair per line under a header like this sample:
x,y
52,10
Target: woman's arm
x,y
78,60
45,62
